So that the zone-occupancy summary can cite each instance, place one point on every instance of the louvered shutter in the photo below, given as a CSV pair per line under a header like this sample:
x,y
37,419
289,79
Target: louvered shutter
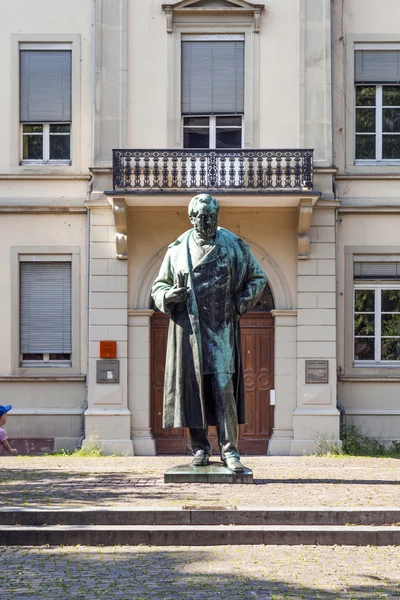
x,y
45,306
212,77
45,86
377,270
377,66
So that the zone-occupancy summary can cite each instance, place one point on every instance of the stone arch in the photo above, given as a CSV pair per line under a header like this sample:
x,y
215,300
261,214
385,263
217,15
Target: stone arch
x,y
276,279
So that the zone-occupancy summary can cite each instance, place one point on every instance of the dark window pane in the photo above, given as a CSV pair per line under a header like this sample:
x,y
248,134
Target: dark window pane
x,y
60,147
365,147
364,301
364,324
365,96
193,121
228,138
390,300
391,146
226,121
32,147
32,128
391,95
365,120
196,138
59,356
364,349
60,128
390,349
31,356
391,325
391,120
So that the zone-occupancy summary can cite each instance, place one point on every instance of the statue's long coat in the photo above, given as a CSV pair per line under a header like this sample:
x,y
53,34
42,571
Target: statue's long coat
x,y
237,285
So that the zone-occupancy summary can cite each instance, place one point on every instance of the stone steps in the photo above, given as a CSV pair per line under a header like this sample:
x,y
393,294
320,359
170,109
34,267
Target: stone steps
x,y
197,527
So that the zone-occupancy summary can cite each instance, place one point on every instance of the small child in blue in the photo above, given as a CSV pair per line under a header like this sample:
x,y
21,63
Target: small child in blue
x,y
3,433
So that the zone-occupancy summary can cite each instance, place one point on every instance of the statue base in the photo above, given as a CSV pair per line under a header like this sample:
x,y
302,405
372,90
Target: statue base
x,y
212,473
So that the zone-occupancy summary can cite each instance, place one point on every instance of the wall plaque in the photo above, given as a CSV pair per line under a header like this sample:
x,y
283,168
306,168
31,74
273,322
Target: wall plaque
x,y
317,371
107,371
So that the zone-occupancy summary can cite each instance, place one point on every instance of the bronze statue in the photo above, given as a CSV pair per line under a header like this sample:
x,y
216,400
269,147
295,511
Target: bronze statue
x,y
207,281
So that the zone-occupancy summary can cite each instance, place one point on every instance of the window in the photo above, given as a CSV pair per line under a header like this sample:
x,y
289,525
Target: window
x,y
45,312
212,132
376,313
212,95
377,106
45,103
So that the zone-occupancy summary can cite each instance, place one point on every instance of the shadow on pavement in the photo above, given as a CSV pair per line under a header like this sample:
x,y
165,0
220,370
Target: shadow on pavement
x,y
196,573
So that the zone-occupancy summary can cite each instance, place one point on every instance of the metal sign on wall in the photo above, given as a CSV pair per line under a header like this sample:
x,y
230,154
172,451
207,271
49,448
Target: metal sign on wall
x,y
107,371
317,371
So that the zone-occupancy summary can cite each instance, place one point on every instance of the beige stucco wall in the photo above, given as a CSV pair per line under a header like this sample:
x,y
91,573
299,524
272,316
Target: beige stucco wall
x,y
151,72
151,230
41,230
44,18
357,21
41,408
372,404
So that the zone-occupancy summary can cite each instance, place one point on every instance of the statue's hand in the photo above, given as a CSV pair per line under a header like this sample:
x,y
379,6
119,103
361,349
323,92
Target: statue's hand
x,y
176,295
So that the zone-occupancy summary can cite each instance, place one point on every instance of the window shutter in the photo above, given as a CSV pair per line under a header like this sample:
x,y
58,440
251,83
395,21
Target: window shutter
x,y
45,307
45,86
212,77
377,66
377,270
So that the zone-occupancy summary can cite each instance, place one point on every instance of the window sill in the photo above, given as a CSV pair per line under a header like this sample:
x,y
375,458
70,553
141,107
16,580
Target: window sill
x,y
377,163
383,378
50,163
373,168
38,378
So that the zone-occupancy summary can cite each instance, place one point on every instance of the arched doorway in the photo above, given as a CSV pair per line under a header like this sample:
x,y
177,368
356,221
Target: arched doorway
x,y
257,333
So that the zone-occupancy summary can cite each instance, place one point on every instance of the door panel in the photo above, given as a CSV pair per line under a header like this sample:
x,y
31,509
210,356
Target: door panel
x,y
257,335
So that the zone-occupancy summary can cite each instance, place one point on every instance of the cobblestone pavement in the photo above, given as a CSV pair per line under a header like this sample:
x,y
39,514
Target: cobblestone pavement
x,y
63,481
234,573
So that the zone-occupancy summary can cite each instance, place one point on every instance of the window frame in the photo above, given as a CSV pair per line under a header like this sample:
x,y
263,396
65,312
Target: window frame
x,y
44,41
376,286
220,26
365,254
46,145
363,42
45,254
212,127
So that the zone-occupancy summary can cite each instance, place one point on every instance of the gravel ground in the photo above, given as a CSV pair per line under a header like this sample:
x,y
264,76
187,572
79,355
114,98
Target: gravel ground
x,y
234,573
63,481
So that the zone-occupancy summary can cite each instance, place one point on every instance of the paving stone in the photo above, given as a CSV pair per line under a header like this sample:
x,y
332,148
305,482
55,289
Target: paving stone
x,y
198,573
59,481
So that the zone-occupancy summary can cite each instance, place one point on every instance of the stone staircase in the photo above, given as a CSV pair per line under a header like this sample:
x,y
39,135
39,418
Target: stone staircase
x,y
195,526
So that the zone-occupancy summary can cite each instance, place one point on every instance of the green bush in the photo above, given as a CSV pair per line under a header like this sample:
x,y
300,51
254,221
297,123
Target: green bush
x,y
357,443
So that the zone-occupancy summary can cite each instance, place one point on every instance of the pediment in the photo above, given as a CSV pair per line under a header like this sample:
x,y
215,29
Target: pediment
x,y
213,7
213,4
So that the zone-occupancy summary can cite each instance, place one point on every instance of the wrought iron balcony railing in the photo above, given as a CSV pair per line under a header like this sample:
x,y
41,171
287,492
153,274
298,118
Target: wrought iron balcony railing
x,y
230,170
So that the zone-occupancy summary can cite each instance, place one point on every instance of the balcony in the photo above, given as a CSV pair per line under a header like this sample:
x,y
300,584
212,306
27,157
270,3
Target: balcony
x,y
239,178
226,171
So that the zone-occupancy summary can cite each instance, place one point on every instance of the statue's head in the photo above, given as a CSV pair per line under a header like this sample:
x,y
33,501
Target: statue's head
x,y
203,214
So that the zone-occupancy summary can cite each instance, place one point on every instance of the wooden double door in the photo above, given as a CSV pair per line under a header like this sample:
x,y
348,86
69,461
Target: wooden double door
x,y
257,334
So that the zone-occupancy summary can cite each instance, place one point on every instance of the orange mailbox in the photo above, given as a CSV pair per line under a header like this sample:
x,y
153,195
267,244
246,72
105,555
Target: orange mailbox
x,y
108,349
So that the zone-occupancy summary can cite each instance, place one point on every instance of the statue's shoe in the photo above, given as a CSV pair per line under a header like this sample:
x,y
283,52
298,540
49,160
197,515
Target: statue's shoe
x,y
200,459
234,464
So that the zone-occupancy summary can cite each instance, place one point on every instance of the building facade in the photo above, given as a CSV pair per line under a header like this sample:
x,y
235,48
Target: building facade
x,y
119,112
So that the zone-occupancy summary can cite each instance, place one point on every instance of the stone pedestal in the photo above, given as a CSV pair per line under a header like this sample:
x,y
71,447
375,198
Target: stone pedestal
x,y
212,473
